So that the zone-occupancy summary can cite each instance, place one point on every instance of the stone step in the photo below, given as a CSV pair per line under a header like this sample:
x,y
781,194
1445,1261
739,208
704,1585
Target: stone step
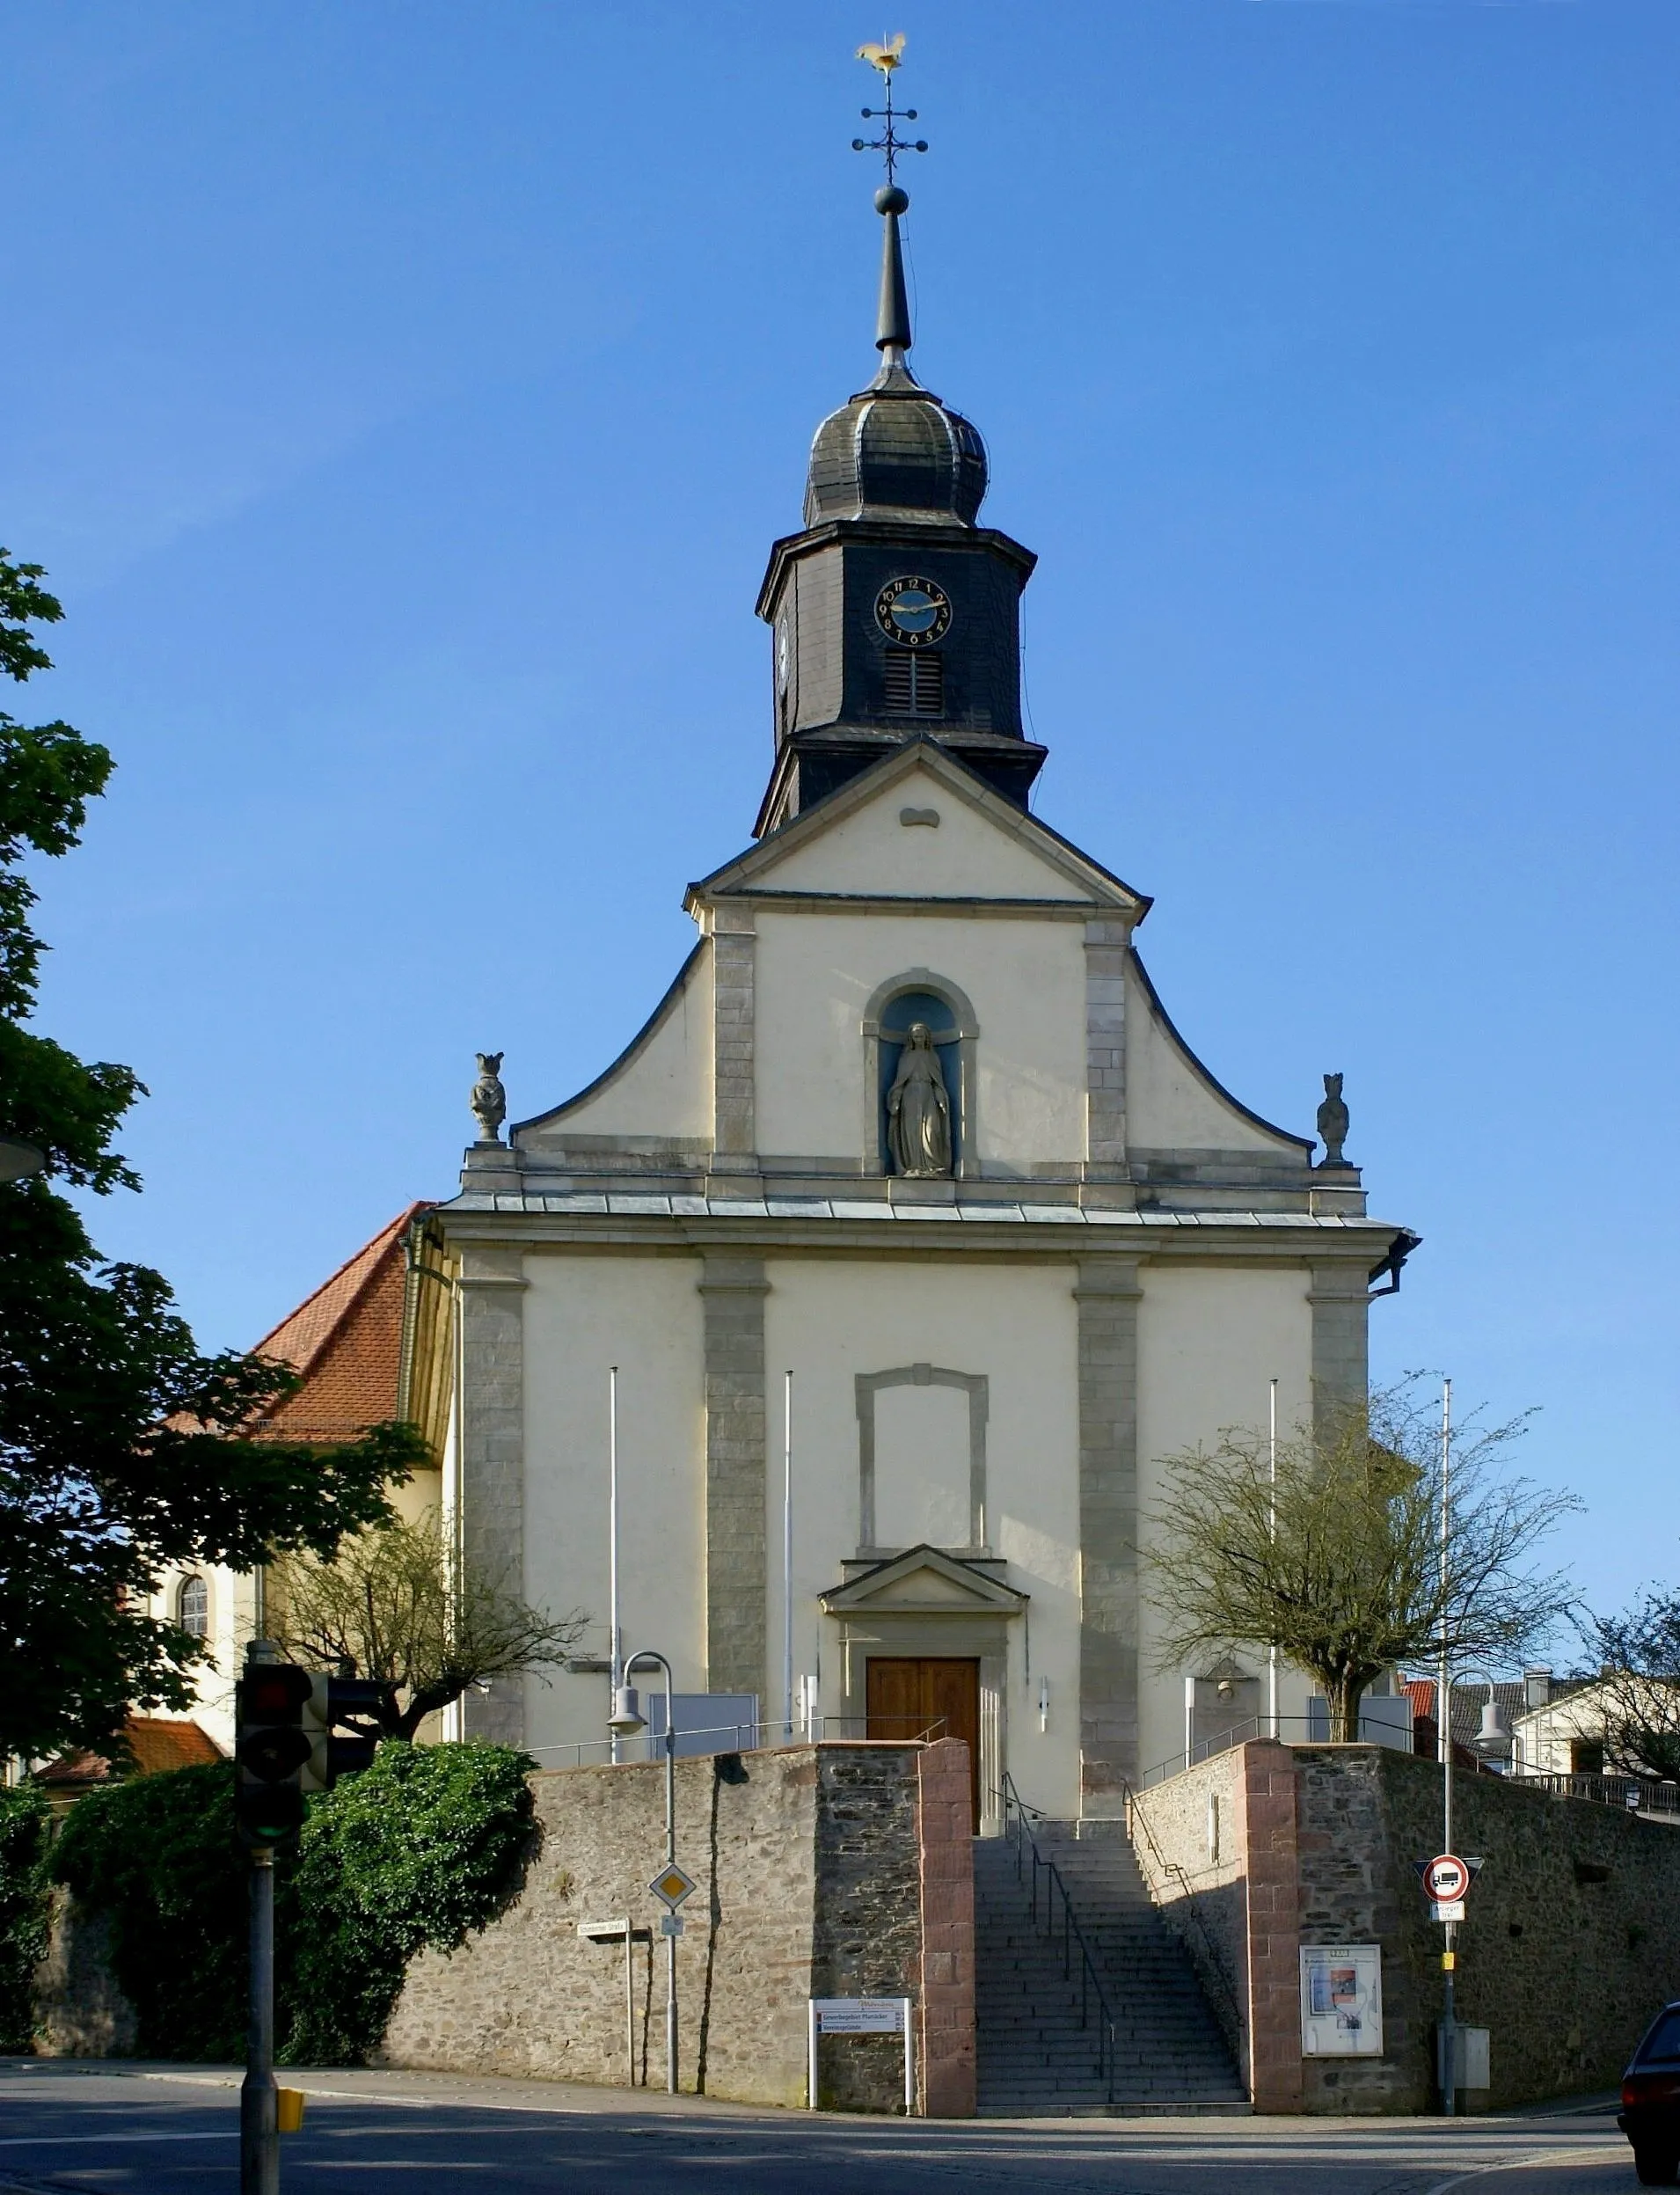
x,y
1035,2055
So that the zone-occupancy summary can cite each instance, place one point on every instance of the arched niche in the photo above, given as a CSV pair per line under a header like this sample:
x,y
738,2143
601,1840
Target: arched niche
x,y
919,994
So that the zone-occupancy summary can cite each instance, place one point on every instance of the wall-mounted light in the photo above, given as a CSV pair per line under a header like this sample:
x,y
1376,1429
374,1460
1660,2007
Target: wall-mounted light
x,y
1044,1703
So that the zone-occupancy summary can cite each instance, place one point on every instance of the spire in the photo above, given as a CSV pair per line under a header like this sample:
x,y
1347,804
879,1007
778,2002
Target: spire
x,y
893,321
893,331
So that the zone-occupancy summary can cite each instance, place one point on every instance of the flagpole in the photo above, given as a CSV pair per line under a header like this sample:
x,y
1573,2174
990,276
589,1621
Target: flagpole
x,y
787,1556
615,1643
1449,2060
1271,1673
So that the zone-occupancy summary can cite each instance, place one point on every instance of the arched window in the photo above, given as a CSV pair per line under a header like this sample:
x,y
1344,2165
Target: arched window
x,y
919,995
193,1607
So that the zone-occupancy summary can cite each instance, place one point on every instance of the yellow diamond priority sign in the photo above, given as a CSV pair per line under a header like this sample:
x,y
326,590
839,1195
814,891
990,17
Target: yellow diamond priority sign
x,y
671,1884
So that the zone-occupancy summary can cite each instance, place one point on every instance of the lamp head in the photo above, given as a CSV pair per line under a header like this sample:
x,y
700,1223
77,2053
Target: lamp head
x,y
627,1718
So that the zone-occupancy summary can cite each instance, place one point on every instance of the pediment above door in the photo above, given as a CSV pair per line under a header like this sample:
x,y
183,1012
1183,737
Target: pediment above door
x,y
924,1581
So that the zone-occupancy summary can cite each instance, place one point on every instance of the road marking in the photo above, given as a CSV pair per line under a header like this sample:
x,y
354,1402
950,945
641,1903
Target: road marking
x,y
68,2141
1582,2152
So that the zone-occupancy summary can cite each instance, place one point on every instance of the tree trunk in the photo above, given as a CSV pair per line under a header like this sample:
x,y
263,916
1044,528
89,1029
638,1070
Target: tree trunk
x,y
1344,1698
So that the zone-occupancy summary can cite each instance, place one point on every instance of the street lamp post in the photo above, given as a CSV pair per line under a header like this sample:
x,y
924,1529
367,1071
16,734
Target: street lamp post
x,y
625,1721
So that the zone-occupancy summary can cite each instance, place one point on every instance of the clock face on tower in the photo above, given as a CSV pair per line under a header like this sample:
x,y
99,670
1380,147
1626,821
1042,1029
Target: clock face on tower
x,y
781,654
915,612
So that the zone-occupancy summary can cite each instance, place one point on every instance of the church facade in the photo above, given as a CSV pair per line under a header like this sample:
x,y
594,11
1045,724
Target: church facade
x,y
911,1143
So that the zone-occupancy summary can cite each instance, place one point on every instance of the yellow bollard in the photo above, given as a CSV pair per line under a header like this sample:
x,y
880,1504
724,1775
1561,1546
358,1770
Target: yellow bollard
x,y
291,2110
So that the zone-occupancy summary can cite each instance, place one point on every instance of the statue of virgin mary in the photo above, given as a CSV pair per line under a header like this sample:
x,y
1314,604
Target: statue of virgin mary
x,y
918,1109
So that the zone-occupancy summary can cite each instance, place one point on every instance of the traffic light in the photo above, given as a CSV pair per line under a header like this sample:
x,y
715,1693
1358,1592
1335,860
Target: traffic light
x,y
348,1705
271,1749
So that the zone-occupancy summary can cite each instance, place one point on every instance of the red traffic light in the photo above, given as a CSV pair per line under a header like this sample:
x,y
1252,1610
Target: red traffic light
x,y
273,1692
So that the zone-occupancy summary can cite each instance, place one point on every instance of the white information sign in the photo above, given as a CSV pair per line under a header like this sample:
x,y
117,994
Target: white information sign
x,y
861,2015
1342,2000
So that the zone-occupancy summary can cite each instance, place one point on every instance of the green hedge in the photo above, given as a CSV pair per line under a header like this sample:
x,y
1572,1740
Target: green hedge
x,y
24,1900
421,1849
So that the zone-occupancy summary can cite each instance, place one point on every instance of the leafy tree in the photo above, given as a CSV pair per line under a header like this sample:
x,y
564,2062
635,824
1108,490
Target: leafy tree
x,y
1637,1683
122,1448
1338,1565
397,1603
23,1909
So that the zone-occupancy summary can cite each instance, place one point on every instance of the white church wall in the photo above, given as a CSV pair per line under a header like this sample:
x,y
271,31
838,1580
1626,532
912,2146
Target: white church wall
x,y
583,1313
815,975
831,1319
1209,1339
664,1087
965,854
1169,1105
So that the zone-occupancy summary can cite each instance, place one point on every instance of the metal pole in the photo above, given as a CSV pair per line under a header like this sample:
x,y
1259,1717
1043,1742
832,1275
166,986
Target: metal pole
x,y
670,1858
258,2099
1443,1718
616,1643
630,1660
630,2002
1271,1669
787,1557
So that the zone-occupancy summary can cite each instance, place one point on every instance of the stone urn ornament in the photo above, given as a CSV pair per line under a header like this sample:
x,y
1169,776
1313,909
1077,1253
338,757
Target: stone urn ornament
x,y
489,1099
1332,1123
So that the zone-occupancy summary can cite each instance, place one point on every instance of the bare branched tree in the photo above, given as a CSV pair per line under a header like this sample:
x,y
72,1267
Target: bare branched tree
x,y
1637,1684
398,1603
1339,1565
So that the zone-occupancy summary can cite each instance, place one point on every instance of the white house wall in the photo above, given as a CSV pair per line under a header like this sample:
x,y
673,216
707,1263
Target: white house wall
x,y
1170,1105
582,1314
815,975
966,854
1189,1390
665,1088
830,1320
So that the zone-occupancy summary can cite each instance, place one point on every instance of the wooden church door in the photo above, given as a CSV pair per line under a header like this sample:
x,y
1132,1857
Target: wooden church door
x,y
911,1698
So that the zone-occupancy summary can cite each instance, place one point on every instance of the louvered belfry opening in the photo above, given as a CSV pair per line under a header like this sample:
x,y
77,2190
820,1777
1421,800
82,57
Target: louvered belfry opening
x,y
915,683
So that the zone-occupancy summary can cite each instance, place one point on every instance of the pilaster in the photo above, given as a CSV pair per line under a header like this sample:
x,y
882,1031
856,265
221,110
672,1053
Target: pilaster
x,y
736,1580
1107,1293
1106,948
1341,1359
734,957
1271,1864
493,1459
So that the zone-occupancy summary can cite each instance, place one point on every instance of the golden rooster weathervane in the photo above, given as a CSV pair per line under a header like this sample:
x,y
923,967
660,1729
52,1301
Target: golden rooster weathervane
x,y
887,57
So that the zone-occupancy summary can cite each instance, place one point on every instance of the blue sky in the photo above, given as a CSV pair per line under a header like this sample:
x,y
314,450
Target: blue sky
x,y
404,397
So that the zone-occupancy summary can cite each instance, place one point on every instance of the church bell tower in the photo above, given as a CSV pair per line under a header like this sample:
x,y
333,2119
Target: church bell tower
x,y
894,615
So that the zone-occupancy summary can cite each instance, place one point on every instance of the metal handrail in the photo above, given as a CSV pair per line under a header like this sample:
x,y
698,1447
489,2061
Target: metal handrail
x,y
1089,1980
1135,1819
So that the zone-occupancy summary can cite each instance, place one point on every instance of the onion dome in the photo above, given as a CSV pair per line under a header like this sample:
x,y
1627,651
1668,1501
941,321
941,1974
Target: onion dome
x,y
895,450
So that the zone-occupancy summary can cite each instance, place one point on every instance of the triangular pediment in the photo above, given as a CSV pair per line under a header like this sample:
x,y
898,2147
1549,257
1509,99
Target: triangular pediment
x,y
919,825
924,1581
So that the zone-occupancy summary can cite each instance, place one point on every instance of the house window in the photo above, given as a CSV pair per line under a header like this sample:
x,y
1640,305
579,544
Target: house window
x,y
915,684
192,1607
1586,1756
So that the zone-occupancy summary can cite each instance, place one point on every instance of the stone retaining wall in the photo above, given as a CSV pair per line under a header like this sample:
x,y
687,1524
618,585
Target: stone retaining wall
x,y
831,1871
816,1866
1571,1945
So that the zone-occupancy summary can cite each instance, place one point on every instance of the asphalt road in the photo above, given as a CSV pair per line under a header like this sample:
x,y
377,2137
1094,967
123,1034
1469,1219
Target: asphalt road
x,y
66,2126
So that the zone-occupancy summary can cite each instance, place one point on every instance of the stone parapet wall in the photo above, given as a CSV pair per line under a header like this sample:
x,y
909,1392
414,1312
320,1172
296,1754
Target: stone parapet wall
x,y
1186,1833
1571,1945
815,1866
831,1871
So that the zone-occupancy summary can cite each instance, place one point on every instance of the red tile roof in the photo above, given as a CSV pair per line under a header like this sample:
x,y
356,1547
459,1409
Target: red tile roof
x,y
345,1340
157,1743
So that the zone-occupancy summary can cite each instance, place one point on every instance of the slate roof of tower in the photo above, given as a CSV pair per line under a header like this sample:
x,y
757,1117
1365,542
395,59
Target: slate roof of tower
x,y
346,1340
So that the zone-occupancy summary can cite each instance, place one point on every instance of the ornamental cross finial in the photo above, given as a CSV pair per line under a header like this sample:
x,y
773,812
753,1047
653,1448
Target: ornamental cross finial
x,y
887,57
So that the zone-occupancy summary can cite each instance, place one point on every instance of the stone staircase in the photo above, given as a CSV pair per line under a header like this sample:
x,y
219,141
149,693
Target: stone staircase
x,y
1034,2058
